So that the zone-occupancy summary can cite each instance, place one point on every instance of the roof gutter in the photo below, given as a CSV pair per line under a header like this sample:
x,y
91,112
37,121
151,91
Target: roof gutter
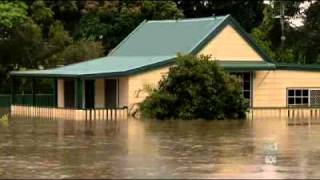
x,y
297,67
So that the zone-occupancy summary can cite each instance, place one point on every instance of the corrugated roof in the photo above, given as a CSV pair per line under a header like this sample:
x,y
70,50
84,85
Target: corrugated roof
x,y
167,37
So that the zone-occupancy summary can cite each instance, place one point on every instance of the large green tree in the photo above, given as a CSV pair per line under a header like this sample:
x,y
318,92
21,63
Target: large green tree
x,y
11,14
31,37
268,33
310,42
111,21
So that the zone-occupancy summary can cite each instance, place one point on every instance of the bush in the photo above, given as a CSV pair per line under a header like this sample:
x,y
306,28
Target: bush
x,y
195,88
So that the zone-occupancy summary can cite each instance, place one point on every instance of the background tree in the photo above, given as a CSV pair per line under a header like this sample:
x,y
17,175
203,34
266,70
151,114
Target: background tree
x,y
11,14
268,33
310,36
111,21
32,38
248,13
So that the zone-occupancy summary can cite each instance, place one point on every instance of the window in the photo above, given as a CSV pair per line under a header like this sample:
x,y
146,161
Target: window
x,y
245,80
298,97
303,97
314,97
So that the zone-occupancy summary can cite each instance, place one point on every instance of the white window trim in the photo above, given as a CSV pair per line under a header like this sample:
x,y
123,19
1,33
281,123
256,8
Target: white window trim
x,y
300,88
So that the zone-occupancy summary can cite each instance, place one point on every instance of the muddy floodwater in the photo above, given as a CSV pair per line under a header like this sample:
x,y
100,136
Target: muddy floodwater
x,y
261,148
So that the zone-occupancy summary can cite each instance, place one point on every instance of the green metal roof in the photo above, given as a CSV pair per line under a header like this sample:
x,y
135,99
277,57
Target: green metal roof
x,y
153,44
167,37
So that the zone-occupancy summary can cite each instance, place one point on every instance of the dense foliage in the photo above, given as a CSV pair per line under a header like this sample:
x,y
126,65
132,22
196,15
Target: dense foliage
x,y
247,12
195,88
46,33
38,34
301,44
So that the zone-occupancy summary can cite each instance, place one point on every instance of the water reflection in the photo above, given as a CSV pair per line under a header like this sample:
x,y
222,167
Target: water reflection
x,y
38,148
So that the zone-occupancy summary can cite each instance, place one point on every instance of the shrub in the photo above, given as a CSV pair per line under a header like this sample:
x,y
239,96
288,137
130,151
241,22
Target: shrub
x,y
195,88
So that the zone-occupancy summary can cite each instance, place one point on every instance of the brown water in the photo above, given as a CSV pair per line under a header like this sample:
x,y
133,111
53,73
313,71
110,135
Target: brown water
x,y
35,148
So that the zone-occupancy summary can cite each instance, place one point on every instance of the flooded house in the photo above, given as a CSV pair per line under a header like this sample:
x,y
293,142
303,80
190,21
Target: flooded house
x,y
118,80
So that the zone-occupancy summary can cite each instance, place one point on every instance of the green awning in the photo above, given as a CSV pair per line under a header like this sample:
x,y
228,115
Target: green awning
x,y
109,66
247,65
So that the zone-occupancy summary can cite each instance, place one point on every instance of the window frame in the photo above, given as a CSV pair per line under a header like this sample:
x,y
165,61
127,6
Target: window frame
x,y
302,96
241,75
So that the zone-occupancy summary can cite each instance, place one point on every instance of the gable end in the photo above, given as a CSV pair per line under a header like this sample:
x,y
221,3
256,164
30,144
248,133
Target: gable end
x,y
230,22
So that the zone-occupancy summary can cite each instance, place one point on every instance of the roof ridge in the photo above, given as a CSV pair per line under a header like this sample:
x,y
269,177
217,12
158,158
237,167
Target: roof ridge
x,y
188,19
228,19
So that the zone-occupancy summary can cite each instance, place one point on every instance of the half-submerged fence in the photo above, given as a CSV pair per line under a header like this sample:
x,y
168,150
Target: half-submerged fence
x,y
293,115
118,113
43,106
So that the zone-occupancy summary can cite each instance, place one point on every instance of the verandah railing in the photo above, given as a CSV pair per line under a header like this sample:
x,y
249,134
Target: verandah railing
x,y
116,113
293,115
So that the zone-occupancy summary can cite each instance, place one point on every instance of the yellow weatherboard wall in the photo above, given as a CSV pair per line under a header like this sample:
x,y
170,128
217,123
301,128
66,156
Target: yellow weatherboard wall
x,y
136,83
270,87
229,45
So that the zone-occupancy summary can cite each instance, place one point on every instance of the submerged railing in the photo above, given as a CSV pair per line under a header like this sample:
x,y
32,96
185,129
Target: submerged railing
x,y
70,113
293,115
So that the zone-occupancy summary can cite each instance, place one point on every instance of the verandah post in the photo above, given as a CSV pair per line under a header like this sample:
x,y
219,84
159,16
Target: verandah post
x,y
55,94
33,91
13,91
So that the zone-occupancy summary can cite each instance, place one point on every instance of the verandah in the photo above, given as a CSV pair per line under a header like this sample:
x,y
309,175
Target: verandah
x,y
77,93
